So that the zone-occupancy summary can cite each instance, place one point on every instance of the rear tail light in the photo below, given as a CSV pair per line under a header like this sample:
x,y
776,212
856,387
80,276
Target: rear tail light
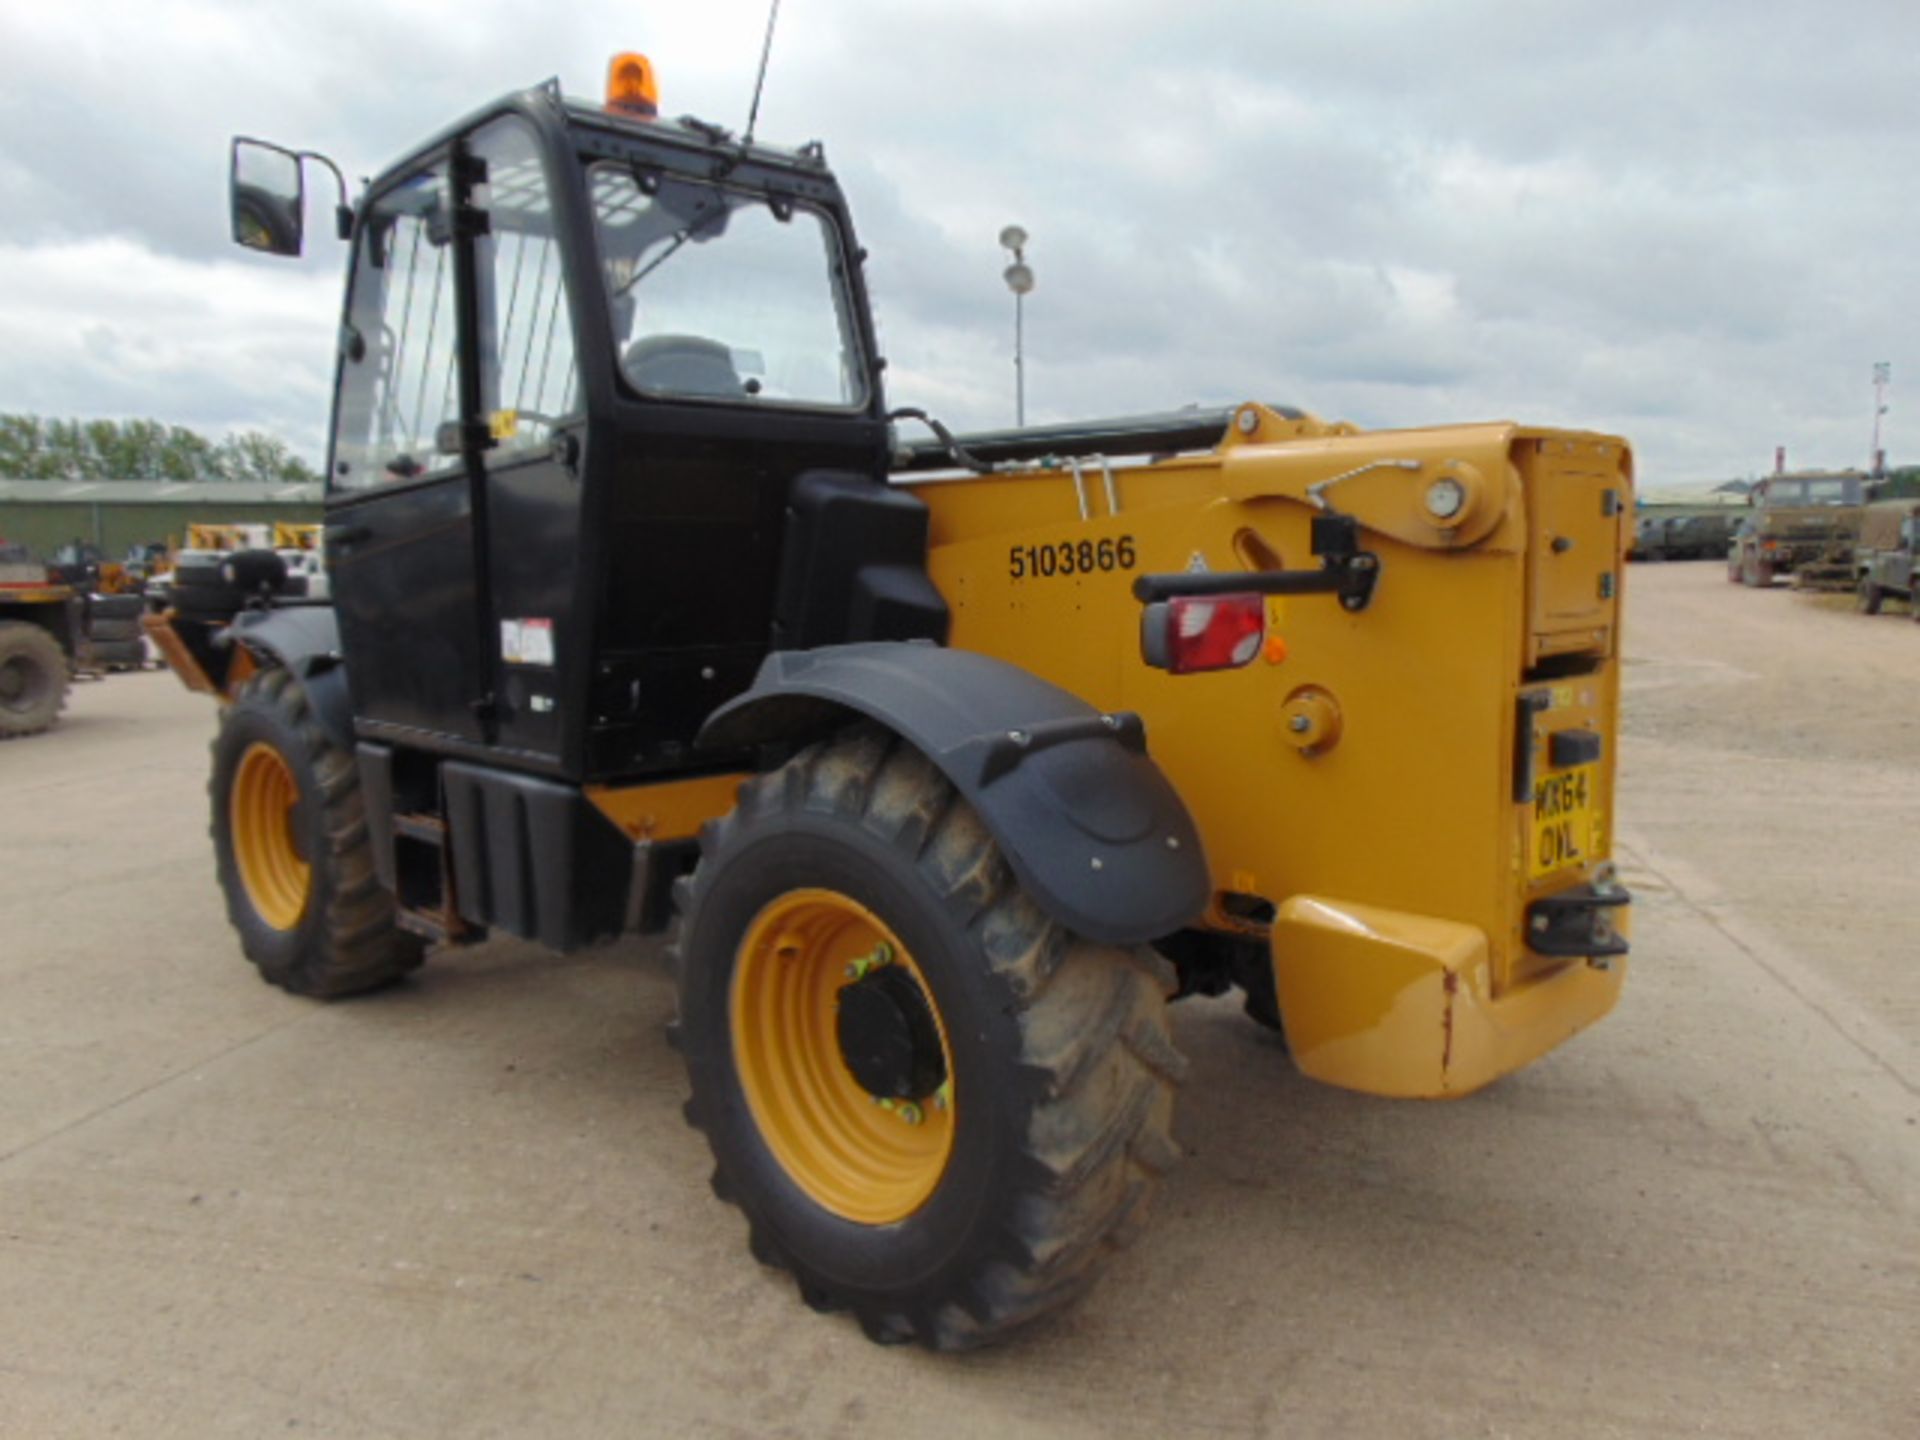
x,y
1191,632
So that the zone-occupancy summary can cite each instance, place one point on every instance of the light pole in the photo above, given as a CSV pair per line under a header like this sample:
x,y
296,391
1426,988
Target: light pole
x,y
1019,278
1882,375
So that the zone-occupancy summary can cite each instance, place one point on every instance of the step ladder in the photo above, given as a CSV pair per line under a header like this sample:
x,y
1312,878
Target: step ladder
x,y
423,882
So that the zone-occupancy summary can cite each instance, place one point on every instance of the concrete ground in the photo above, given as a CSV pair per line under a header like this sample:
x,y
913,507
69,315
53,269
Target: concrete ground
x,y
469,1208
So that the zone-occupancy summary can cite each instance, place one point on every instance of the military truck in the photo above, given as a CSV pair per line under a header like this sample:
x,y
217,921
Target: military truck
x,y
1887,560
1683,532
943,764
1804,525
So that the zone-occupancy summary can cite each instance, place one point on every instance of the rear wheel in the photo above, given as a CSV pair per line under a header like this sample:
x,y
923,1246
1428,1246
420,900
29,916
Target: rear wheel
x,y
936,1108
1867,597
33,679
295,861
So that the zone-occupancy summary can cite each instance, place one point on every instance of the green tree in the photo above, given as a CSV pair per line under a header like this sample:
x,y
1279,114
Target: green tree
x,y
251,455
65,454
186,455
20,444
33,447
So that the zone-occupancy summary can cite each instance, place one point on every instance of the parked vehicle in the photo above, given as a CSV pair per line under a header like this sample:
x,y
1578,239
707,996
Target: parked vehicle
x,y
1689,532
1887,560
1804,525
41,639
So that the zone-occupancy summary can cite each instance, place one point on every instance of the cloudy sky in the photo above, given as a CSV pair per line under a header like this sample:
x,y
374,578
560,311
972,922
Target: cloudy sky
x,y
1693,223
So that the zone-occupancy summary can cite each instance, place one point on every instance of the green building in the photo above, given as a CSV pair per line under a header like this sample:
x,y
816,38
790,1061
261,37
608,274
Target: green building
x,y
116,515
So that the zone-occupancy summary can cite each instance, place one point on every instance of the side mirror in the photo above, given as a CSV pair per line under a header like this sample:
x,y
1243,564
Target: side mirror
x,y
268,195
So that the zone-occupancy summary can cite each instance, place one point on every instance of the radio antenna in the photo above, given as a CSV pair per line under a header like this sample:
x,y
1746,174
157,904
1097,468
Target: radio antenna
x,y
753,115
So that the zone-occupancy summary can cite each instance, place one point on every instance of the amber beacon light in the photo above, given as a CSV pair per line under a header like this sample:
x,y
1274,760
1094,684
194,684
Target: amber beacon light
x,y
631,87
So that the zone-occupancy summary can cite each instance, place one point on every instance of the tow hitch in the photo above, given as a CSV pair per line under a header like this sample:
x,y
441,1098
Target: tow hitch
x,y
1578,922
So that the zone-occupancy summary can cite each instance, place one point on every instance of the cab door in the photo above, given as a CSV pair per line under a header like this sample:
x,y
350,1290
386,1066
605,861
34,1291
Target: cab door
x,y
533,402
401,525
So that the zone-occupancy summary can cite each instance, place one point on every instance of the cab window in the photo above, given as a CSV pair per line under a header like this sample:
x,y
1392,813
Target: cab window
x,y
400,362
530,375
725,294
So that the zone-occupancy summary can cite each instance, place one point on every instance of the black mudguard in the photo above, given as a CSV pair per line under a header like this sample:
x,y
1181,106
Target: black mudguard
x,y
304,639
1092,828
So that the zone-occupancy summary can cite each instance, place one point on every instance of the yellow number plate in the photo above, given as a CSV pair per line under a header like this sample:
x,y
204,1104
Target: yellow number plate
x,y
1566,820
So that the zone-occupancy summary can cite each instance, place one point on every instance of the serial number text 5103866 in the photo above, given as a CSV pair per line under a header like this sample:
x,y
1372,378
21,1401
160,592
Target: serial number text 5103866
x,y
1070,557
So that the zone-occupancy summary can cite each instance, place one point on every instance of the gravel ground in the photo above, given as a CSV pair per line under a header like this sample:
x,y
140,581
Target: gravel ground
x,y
468,1207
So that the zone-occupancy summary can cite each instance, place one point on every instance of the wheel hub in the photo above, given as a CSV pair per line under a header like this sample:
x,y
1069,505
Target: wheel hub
x,y
13,682
837,1037
266,849
888,1037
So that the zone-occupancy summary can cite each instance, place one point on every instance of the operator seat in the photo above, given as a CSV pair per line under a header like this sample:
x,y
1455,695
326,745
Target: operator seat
x,y
682,365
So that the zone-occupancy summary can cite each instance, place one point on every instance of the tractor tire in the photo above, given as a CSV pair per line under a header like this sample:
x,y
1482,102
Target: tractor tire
x,y
291,845
99,630
937,1109
113,607
1868,596
117,654
207,602
33,679
201,573
200,588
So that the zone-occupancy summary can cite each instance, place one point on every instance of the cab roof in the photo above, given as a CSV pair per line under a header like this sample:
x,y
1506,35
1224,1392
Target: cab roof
x,y
695,139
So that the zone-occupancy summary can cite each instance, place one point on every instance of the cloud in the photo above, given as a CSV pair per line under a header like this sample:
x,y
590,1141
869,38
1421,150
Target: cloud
x,y
108,327
1665,223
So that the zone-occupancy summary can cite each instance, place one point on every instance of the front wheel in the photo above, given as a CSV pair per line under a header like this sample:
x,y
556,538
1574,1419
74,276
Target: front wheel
x,y
936,1108
290,840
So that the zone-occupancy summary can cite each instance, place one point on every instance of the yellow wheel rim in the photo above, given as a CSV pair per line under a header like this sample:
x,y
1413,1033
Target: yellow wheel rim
x,y
867,1161
260,820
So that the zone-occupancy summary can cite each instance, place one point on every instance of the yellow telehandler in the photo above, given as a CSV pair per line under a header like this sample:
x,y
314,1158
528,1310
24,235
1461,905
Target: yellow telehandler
x,y
944,763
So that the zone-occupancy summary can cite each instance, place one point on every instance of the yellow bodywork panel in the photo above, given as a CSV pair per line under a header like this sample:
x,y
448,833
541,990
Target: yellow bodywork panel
x,y
671,810
36,594
1369,764
1405,1005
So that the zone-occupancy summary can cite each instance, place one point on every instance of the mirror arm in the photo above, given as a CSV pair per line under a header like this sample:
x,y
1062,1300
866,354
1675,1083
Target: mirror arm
x,y
343,212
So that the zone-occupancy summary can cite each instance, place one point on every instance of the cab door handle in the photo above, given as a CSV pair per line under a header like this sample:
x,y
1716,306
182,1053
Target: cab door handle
x,y
347,534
